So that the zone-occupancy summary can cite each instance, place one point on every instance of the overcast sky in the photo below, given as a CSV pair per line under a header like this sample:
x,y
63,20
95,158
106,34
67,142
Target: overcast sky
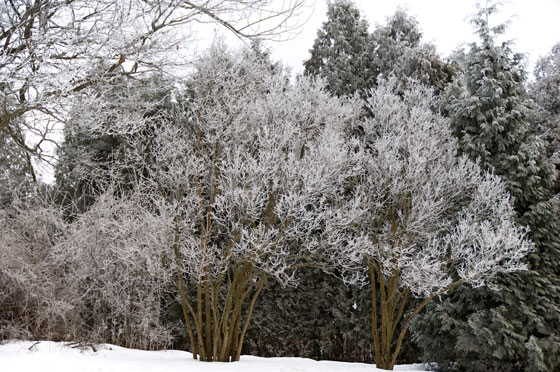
x,y
535,25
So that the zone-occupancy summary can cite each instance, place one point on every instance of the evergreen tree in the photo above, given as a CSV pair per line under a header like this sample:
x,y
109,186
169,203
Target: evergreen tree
x,y
321,319
398,51
86,153
545,91
16,171
351,59
515,328
342,53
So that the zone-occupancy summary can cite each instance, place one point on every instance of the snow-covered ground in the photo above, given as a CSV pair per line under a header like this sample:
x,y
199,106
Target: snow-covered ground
x,y
27,356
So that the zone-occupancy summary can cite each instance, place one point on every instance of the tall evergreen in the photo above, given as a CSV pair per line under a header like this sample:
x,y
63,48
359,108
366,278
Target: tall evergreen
x,y
342,53
351,59
545,91
399,51
517,327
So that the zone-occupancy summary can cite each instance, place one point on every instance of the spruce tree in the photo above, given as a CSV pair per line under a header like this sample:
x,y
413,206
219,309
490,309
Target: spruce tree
x,y
351,59
342,53
515,328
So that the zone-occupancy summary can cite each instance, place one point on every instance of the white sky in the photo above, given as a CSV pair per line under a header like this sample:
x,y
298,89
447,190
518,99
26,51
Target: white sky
x,y
534,25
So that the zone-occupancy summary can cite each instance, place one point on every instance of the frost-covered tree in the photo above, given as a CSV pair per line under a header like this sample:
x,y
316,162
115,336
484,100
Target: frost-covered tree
x,y
27,231
547,80
53,49
545,91
516,328
426,220
85,156
490,108
239,181
399,51
351,59
342,52
106,269
31,307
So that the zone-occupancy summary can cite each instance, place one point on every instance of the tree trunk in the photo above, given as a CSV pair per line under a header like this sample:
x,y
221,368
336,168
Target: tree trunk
x,y
391,303
220,329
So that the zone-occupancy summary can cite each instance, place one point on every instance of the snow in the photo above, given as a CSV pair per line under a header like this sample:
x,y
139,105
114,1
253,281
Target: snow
x,y
44,356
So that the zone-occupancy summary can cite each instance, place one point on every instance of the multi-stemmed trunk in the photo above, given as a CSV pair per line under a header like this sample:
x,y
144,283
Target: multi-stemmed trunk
x,y
386,315
389,323
218,323
217,320
388,311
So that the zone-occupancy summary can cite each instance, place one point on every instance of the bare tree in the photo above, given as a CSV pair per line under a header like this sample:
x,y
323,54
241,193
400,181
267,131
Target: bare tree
x,y
51,50
429,221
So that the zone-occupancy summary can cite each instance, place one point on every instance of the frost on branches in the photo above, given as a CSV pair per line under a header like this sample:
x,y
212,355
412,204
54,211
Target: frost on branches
x,y
30,302
232,186
241,177
428,220
51,50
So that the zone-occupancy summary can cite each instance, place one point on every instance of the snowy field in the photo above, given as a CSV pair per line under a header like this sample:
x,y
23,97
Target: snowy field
x,y
27,356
